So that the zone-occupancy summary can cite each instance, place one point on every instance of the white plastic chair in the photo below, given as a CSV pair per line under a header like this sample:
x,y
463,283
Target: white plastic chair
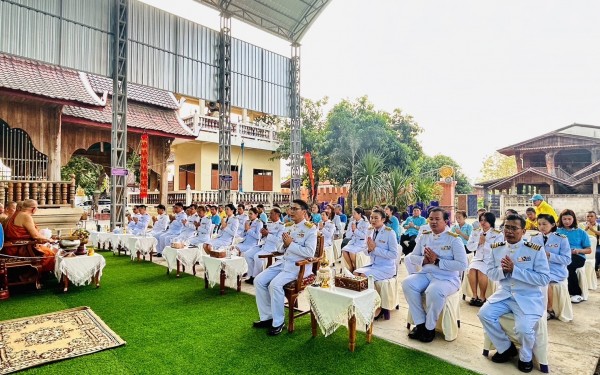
x,y
540,348
562,306
449,320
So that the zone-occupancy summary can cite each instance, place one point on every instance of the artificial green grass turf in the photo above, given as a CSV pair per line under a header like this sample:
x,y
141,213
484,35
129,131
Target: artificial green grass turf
x,y
176,326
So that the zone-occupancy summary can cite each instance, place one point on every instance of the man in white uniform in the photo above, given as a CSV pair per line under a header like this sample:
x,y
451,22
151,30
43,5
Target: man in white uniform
x,y
299,243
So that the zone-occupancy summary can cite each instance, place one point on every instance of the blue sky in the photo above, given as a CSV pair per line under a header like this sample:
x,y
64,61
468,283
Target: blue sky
x,y
477,75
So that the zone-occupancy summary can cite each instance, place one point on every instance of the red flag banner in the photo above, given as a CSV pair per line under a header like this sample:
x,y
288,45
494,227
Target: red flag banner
x,y
311,176
144,166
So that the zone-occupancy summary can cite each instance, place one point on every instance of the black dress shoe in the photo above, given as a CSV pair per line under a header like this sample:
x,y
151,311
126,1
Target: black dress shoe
x,y
525,366
507,355
416,332
249,281
263,323
428,335
158,255
274,331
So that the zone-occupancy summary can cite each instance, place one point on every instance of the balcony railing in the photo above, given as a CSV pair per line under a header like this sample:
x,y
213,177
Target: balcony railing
x,y
46,193
134,198
245,130
189,196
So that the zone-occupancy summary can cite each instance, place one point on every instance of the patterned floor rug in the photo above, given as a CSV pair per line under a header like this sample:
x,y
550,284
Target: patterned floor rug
x,y
41,339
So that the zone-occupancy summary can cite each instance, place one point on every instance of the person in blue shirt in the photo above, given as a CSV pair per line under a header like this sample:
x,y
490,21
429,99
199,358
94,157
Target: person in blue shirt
x,y
462,228
315,214
215,218
411,227
579,241
392,221
261,213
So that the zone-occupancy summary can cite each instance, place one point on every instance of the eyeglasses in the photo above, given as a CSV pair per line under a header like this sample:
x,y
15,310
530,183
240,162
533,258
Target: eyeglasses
x,y
511,228
295,208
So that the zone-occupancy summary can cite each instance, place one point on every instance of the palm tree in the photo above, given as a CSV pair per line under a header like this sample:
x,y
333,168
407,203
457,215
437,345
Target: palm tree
x,y
400,193
369,183
426,190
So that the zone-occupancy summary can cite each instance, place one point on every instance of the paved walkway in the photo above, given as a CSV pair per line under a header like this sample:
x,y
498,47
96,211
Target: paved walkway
x,y
574,347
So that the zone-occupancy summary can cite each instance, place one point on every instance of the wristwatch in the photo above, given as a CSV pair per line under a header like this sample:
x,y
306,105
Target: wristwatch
x,y
437,262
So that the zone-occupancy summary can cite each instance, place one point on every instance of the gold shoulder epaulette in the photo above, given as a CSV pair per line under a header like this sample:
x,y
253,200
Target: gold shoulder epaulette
x,y
388,228
532,245
371,228
497,231
452,234
497,244
560,235
535,234
289,223
309,224
426,232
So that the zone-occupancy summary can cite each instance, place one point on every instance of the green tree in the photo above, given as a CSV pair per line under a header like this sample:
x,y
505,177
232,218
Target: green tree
x,y
312,134
399,191
87,173
498,166
355,126
428,166
426,190
369,180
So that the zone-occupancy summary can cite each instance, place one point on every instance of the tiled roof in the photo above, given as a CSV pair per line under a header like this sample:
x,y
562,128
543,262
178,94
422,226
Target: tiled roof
x,y
139,116
135,92
46,81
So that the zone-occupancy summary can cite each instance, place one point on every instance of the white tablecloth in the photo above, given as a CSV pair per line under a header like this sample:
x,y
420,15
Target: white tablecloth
x,y
188,256
334,306
144,245
117,240
234,267
79,269
99,238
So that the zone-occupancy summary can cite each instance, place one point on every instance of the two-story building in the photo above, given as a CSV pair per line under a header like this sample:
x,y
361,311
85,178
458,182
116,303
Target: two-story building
x,y
563,165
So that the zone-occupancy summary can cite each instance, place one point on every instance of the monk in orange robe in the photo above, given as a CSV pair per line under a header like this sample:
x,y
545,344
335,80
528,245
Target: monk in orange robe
x,y
21,227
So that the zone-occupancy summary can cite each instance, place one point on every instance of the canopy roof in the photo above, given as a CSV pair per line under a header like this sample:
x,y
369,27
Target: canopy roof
x,y
288,19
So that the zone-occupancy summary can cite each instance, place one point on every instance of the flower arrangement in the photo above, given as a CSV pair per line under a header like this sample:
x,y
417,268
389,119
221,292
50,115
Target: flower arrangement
x,y
81,234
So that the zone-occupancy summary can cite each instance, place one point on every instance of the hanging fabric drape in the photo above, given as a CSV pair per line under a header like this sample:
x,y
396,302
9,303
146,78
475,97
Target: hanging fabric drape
x,y
144,166
241,174
311,176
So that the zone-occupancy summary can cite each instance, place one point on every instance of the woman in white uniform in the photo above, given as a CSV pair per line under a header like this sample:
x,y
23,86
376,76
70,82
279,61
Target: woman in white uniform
x,y
251,231
480,243
227,233
358,237
558,251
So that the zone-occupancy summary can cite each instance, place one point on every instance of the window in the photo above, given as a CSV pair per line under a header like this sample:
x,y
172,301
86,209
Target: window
x,y
214,177
263,180
187,176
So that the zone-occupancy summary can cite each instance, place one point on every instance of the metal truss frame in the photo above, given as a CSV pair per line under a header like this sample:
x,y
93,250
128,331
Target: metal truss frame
x,y
118,156
225,109
296,123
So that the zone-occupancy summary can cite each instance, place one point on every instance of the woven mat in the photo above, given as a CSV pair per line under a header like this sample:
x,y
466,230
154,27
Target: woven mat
x,y
40,339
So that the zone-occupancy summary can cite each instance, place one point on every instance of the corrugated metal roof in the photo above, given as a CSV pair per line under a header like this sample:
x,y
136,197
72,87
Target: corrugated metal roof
x,y
288,19
46,80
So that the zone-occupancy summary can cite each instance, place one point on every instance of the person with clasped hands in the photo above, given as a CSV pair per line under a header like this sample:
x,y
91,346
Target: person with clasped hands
x,y
299,243
522,270
442,257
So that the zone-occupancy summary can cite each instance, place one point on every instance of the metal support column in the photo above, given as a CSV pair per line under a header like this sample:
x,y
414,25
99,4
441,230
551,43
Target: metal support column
x,y
295,135
225,110
118,156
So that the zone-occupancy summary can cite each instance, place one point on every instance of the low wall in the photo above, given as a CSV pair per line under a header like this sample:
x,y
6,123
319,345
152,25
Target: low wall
x,y
579,203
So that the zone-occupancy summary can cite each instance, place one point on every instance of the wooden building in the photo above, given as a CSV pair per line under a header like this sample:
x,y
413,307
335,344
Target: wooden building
x,y
48,114
560,164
